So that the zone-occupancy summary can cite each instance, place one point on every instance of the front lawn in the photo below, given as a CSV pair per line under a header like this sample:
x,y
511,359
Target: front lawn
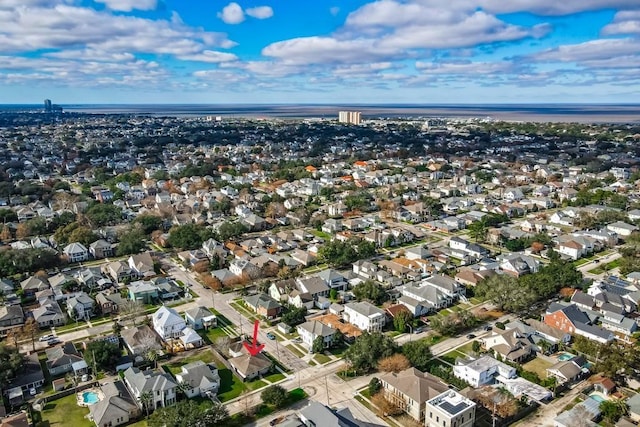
x,y
230,385
65,412
255,385
322,358
295,350
451,356
274,378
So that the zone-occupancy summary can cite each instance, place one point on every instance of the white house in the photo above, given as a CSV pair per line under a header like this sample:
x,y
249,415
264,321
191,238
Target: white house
x,y
200,378
76,252
482,371
168,323
622,229
313,329
365,316
161,386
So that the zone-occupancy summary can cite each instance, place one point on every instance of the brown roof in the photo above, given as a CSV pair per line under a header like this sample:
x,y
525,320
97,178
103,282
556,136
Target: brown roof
x,y
417,385
248,365
334,321
18,420
393,310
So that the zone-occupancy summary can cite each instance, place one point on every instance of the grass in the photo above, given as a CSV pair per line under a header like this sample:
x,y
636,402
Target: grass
x,y
321,234
255,385
141,423
538,366
237,306
337,351
451,356
467,348
65,412
212,334
295,350
230,385
205,356
274,378
322,358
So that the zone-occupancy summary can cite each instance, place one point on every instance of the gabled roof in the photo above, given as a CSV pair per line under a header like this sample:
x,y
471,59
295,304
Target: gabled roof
x,y
364,308
418,386
166,316
149,380
199,312
117,403
262,300
65,354
317,329
248,365
572,312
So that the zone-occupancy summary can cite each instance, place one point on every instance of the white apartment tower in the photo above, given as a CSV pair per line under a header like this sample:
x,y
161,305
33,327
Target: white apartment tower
x,y
352,117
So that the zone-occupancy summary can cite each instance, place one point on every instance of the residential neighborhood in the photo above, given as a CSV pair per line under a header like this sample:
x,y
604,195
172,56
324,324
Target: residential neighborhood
x,y
452,272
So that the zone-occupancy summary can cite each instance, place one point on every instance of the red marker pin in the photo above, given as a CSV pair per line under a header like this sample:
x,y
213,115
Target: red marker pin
x,y
254,348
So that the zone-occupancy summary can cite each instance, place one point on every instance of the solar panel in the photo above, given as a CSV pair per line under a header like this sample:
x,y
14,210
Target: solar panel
x,y
453,409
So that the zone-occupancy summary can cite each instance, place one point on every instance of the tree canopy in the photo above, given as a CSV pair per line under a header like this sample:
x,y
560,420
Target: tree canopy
x,y
370,290
106,354
274,395
11,362
188,413
189,236
368,349
418,353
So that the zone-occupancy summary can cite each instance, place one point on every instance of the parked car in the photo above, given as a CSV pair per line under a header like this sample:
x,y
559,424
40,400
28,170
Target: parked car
x,y
271,336
470,336
488,327
53,341
46,338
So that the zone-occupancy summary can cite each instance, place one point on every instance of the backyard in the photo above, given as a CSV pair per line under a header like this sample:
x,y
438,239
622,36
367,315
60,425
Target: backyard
x,y
64,412
538,366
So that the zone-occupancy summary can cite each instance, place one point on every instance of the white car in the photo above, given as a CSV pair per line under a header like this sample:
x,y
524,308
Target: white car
x,y
45,338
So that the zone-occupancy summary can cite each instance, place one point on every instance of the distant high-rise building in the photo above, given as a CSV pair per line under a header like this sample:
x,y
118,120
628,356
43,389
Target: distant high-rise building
x,y
48,106
352,117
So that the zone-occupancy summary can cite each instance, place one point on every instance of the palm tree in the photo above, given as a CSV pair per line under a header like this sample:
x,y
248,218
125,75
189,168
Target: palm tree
x,y
183,388
545,346
146,398
152,356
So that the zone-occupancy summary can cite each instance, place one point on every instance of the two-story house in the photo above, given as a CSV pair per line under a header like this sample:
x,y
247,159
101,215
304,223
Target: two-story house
x,y
311,330
11,316
365,316
160,385
80,307
168,323
410,389
201,379
76,252
65,358
478,372
264,305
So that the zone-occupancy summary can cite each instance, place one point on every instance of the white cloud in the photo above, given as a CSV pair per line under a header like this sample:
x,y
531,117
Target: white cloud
x,y
334,10
589,51
129,5
210,56
67,27
231,14
260,12
625,22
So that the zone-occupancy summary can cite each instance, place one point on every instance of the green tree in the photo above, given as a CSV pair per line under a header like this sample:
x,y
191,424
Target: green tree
x,y
105,353
132,242
101,214
318,345
274,395
333,294
146,398
418,353
189,236
11,363
612,411
229,230
363,355
478,230
401,320
506,293
294,316
148,223
374,386
370,290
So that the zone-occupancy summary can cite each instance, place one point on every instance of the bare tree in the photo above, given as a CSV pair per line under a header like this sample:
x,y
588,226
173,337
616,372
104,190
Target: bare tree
x,y
30,329
222,344
131,309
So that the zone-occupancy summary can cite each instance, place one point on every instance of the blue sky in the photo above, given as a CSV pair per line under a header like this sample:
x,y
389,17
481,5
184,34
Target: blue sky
x,y
318,51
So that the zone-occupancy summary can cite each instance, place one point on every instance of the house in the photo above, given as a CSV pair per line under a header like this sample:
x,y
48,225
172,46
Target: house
x,y
510,344
89,277
65,358
142,264
108,303
168,323
572,249
76,252
80,307
201,379
446,285
212,247
249,367
190,339
482,371
570,319
117,407
314,286
316,414
119,271
517,264
470,277
622,229
11,316
140,339
19,419
33,284
586,411
410,389
312,329
200,318
244,268
567,371
333,279
264,305
634,407
143,291
450,409
101,249
49,314
160,384
365,269
365,316
29,377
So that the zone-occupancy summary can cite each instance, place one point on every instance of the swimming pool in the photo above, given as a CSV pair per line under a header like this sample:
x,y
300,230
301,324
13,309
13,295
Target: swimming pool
x,y
597,397
565,356
90,398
